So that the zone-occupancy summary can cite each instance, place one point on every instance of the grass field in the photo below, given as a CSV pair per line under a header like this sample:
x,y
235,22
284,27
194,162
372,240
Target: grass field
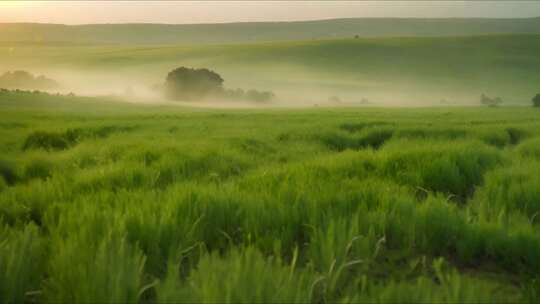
x,y
387,71
112,202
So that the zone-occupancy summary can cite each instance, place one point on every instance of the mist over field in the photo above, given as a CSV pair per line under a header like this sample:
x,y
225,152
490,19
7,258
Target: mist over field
x,y
385,71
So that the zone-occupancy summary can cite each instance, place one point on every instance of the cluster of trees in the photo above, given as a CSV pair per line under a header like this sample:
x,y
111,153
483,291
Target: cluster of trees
x,y
253,95
32,92
195,84
25,80
490,102
494,102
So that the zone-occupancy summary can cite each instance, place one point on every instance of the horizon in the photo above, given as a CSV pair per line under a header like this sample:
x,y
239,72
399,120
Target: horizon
x,y
271,21
225,12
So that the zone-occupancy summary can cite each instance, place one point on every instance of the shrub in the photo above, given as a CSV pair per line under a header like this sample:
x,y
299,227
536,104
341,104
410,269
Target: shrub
x,y
536,100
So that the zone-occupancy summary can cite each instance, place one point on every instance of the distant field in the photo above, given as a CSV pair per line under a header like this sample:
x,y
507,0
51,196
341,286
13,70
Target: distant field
x,y
110,202
189,34
384,70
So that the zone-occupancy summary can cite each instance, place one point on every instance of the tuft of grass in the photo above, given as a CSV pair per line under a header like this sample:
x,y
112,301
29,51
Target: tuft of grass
x,y
241,276
22,263
512,189
372,138
8,172
111,272
530,148
453,168
48,141
52,141
37,167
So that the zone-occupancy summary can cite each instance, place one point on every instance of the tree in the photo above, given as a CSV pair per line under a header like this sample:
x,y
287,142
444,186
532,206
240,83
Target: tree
x,y
259,96
191,84
536,100
25,80
490,102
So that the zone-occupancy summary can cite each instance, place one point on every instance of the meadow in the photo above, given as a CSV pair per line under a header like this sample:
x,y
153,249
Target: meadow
x,y
103,201
385,70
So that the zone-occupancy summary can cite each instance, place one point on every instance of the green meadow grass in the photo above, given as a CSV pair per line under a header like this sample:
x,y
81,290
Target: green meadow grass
x,y
112,202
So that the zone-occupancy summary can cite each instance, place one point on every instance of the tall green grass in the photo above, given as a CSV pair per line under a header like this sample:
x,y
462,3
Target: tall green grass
x,y
249,206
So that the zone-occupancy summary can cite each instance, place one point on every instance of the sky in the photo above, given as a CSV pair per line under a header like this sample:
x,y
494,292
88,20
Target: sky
x,y
84,12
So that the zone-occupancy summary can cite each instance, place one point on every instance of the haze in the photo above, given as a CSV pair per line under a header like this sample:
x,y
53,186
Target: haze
x,y
425,58
84,12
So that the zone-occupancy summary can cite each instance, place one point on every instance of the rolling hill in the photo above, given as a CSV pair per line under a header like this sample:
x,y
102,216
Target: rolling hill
x,y
401,70
261,31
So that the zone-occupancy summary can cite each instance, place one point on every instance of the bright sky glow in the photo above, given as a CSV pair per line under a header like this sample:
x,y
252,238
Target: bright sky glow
x,y
83,12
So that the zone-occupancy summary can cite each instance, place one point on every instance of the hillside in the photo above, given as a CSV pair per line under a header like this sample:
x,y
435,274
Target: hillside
x,y
407,69
262,31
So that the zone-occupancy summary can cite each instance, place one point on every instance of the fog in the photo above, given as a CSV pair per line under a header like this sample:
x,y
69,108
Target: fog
x,y
293,86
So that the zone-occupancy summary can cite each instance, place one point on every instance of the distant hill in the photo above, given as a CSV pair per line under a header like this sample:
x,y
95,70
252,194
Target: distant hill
x,y
163,34
425,69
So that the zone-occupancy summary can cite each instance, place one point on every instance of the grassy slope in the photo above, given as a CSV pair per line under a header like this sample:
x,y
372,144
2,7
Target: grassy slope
x,y
321,205
455,68
269,31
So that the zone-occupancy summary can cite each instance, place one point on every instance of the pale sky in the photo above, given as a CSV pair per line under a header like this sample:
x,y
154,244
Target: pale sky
x,y
83,12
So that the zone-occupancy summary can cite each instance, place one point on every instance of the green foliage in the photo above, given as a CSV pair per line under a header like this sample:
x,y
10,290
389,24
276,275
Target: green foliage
x,y
189,84
490,102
